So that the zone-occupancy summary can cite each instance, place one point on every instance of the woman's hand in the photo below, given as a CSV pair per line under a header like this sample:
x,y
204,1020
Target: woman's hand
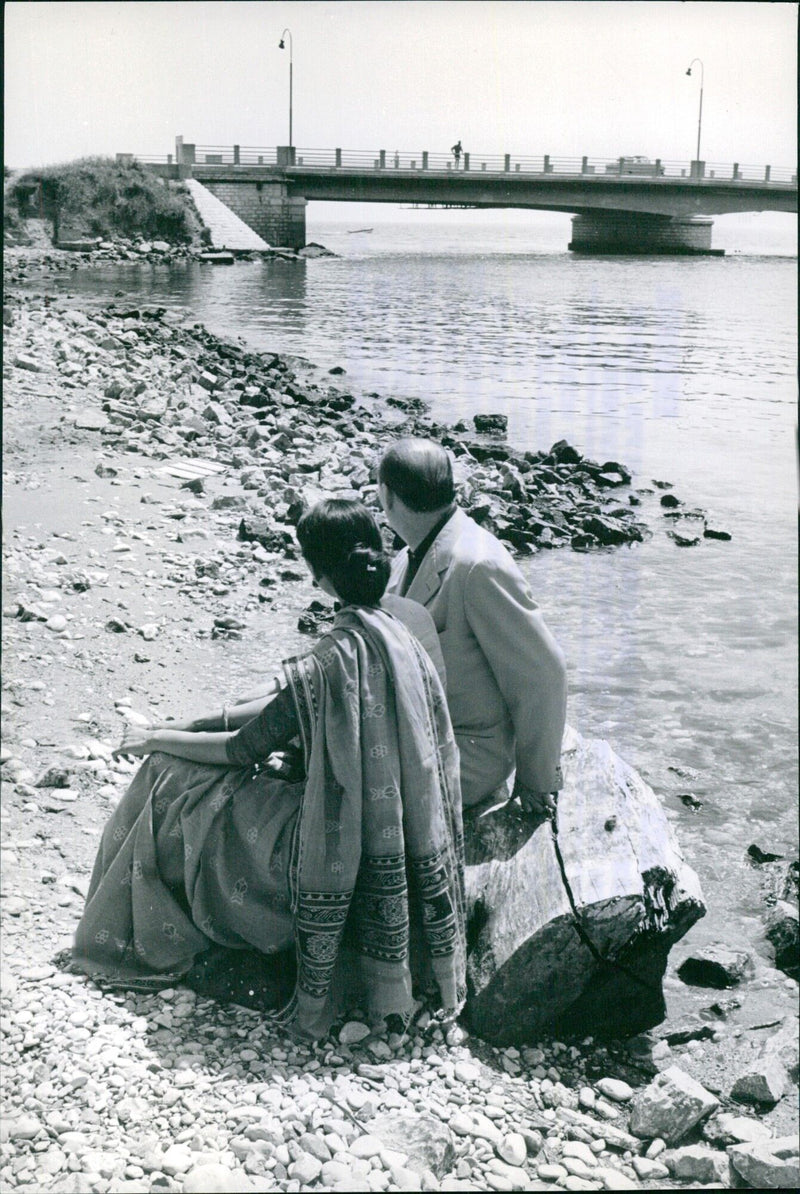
x,y
136,740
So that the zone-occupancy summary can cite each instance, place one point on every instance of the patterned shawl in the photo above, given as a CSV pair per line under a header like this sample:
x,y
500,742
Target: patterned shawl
x,y
378,847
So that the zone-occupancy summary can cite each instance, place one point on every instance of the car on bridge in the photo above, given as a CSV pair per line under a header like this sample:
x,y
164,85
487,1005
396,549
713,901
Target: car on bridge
x,y
635,165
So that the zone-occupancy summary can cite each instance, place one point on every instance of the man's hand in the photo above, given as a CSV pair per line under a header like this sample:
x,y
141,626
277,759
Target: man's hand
x,y
540,804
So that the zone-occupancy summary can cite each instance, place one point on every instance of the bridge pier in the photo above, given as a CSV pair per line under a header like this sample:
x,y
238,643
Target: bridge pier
x,y
267,207
626,232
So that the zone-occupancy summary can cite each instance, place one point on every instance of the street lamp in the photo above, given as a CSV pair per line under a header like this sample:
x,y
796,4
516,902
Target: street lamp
x,y
282,46
700,116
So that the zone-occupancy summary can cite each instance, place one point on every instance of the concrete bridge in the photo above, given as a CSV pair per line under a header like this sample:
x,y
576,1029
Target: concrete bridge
x,y
624,205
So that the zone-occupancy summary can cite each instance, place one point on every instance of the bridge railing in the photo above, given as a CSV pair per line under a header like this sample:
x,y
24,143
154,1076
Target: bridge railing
x,y
471,163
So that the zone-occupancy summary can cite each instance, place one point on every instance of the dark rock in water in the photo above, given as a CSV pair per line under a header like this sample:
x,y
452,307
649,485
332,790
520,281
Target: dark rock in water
x,y
717,966
482,452
712,533
690,801
570,923
683,540
669,501
783,932
564,453
337,369
426,1141
496,424
609,479
758,855
607,531
583,542
194,485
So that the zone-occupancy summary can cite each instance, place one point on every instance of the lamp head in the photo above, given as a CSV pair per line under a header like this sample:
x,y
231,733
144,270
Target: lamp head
x,y
281,46
689,71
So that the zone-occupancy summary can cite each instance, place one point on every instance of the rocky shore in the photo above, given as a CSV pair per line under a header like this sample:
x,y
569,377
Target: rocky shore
x,y
154,474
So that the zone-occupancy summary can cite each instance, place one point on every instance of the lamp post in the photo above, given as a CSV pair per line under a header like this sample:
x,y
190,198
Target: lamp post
x,y
282,46
700,115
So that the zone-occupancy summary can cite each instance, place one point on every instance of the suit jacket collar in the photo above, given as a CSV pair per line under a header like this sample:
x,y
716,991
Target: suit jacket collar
x,y
428,581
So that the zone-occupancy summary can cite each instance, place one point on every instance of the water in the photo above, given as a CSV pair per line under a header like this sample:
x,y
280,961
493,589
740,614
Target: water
x,y
683,369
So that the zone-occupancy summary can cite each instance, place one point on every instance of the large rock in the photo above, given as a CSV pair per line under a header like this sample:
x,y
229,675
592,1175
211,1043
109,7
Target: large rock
x,y
783,931
717,965
698,1163
214,1178
768,1165
670,1106
426,1141
571,921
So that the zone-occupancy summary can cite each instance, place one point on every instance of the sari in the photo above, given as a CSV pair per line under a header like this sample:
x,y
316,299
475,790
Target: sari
x,y
360,866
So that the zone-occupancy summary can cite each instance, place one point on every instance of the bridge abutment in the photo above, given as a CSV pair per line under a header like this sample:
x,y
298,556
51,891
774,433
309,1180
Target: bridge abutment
x,y
627,232
267,207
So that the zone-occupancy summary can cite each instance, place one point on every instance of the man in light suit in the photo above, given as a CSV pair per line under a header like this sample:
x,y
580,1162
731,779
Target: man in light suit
x,y
506,679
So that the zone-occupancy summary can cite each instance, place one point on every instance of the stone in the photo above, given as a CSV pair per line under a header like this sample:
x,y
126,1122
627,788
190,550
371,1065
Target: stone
x,y
698,1163
529,972
649,1170
333,1173
718,966
724,1129
783,932
305,1169
491,423
512,1149
615,1089
426,1141
765,1083
177,1159
24,1127
670,1106
366,1146
763,1169
577,1150
25,362
352,1032
214,1178
215,412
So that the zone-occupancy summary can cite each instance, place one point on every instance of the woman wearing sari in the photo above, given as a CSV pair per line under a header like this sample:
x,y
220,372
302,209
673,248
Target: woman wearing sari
x,y
359,863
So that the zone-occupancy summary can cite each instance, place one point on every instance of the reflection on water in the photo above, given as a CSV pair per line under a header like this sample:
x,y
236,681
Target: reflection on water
x,y
684,369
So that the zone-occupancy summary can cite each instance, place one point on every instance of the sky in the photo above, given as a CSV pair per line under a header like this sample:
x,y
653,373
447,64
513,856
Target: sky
x,y
528,77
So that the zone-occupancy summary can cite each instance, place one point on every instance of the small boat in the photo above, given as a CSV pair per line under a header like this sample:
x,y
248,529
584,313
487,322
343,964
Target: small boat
x,y
350,231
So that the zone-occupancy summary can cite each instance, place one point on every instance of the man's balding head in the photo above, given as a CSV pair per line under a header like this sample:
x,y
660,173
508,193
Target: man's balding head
x,y
420,473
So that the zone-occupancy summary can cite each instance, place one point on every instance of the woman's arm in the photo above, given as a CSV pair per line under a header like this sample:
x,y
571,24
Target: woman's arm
x,y
196,746
231,717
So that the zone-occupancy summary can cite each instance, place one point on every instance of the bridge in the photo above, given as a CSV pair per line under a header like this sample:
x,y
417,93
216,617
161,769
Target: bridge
x,y
623,205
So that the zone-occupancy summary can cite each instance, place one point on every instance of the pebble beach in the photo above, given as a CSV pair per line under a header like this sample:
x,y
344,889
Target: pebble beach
x,y
153,477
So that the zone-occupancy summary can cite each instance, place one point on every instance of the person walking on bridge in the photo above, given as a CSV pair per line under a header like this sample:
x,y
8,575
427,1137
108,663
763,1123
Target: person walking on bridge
x,y
456,152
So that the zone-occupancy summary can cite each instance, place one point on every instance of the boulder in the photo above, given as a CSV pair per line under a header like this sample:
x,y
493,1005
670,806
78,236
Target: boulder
x,y
698,1163
763,1166
670,1106
426,1141
765,1083
783,932
570,921
716,966
491,423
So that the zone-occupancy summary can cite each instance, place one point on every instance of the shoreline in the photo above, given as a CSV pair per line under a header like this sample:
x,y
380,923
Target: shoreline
x,y
122,442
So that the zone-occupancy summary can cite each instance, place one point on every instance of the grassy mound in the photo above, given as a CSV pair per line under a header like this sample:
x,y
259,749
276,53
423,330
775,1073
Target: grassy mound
x,y
103,197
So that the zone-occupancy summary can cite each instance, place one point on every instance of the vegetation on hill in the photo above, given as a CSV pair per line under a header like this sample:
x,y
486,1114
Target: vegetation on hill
x,y
103,197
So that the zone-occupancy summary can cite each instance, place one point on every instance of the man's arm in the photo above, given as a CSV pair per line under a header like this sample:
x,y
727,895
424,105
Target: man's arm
x,y
528,666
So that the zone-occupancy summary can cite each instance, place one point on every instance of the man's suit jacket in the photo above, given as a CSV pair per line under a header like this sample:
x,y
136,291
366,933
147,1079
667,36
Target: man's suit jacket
x,y
506,685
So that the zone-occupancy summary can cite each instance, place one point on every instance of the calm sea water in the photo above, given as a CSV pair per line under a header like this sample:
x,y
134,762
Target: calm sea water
x,y
683,369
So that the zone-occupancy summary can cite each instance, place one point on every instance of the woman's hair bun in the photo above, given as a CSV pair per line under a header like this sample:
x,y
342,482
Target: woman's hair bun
x,y
364,576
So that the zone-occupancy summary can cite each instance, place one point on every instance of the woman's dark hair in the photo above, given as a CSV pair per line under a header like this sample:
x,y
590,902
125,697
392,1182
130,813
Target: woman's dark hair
x,y
420,473
341,540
